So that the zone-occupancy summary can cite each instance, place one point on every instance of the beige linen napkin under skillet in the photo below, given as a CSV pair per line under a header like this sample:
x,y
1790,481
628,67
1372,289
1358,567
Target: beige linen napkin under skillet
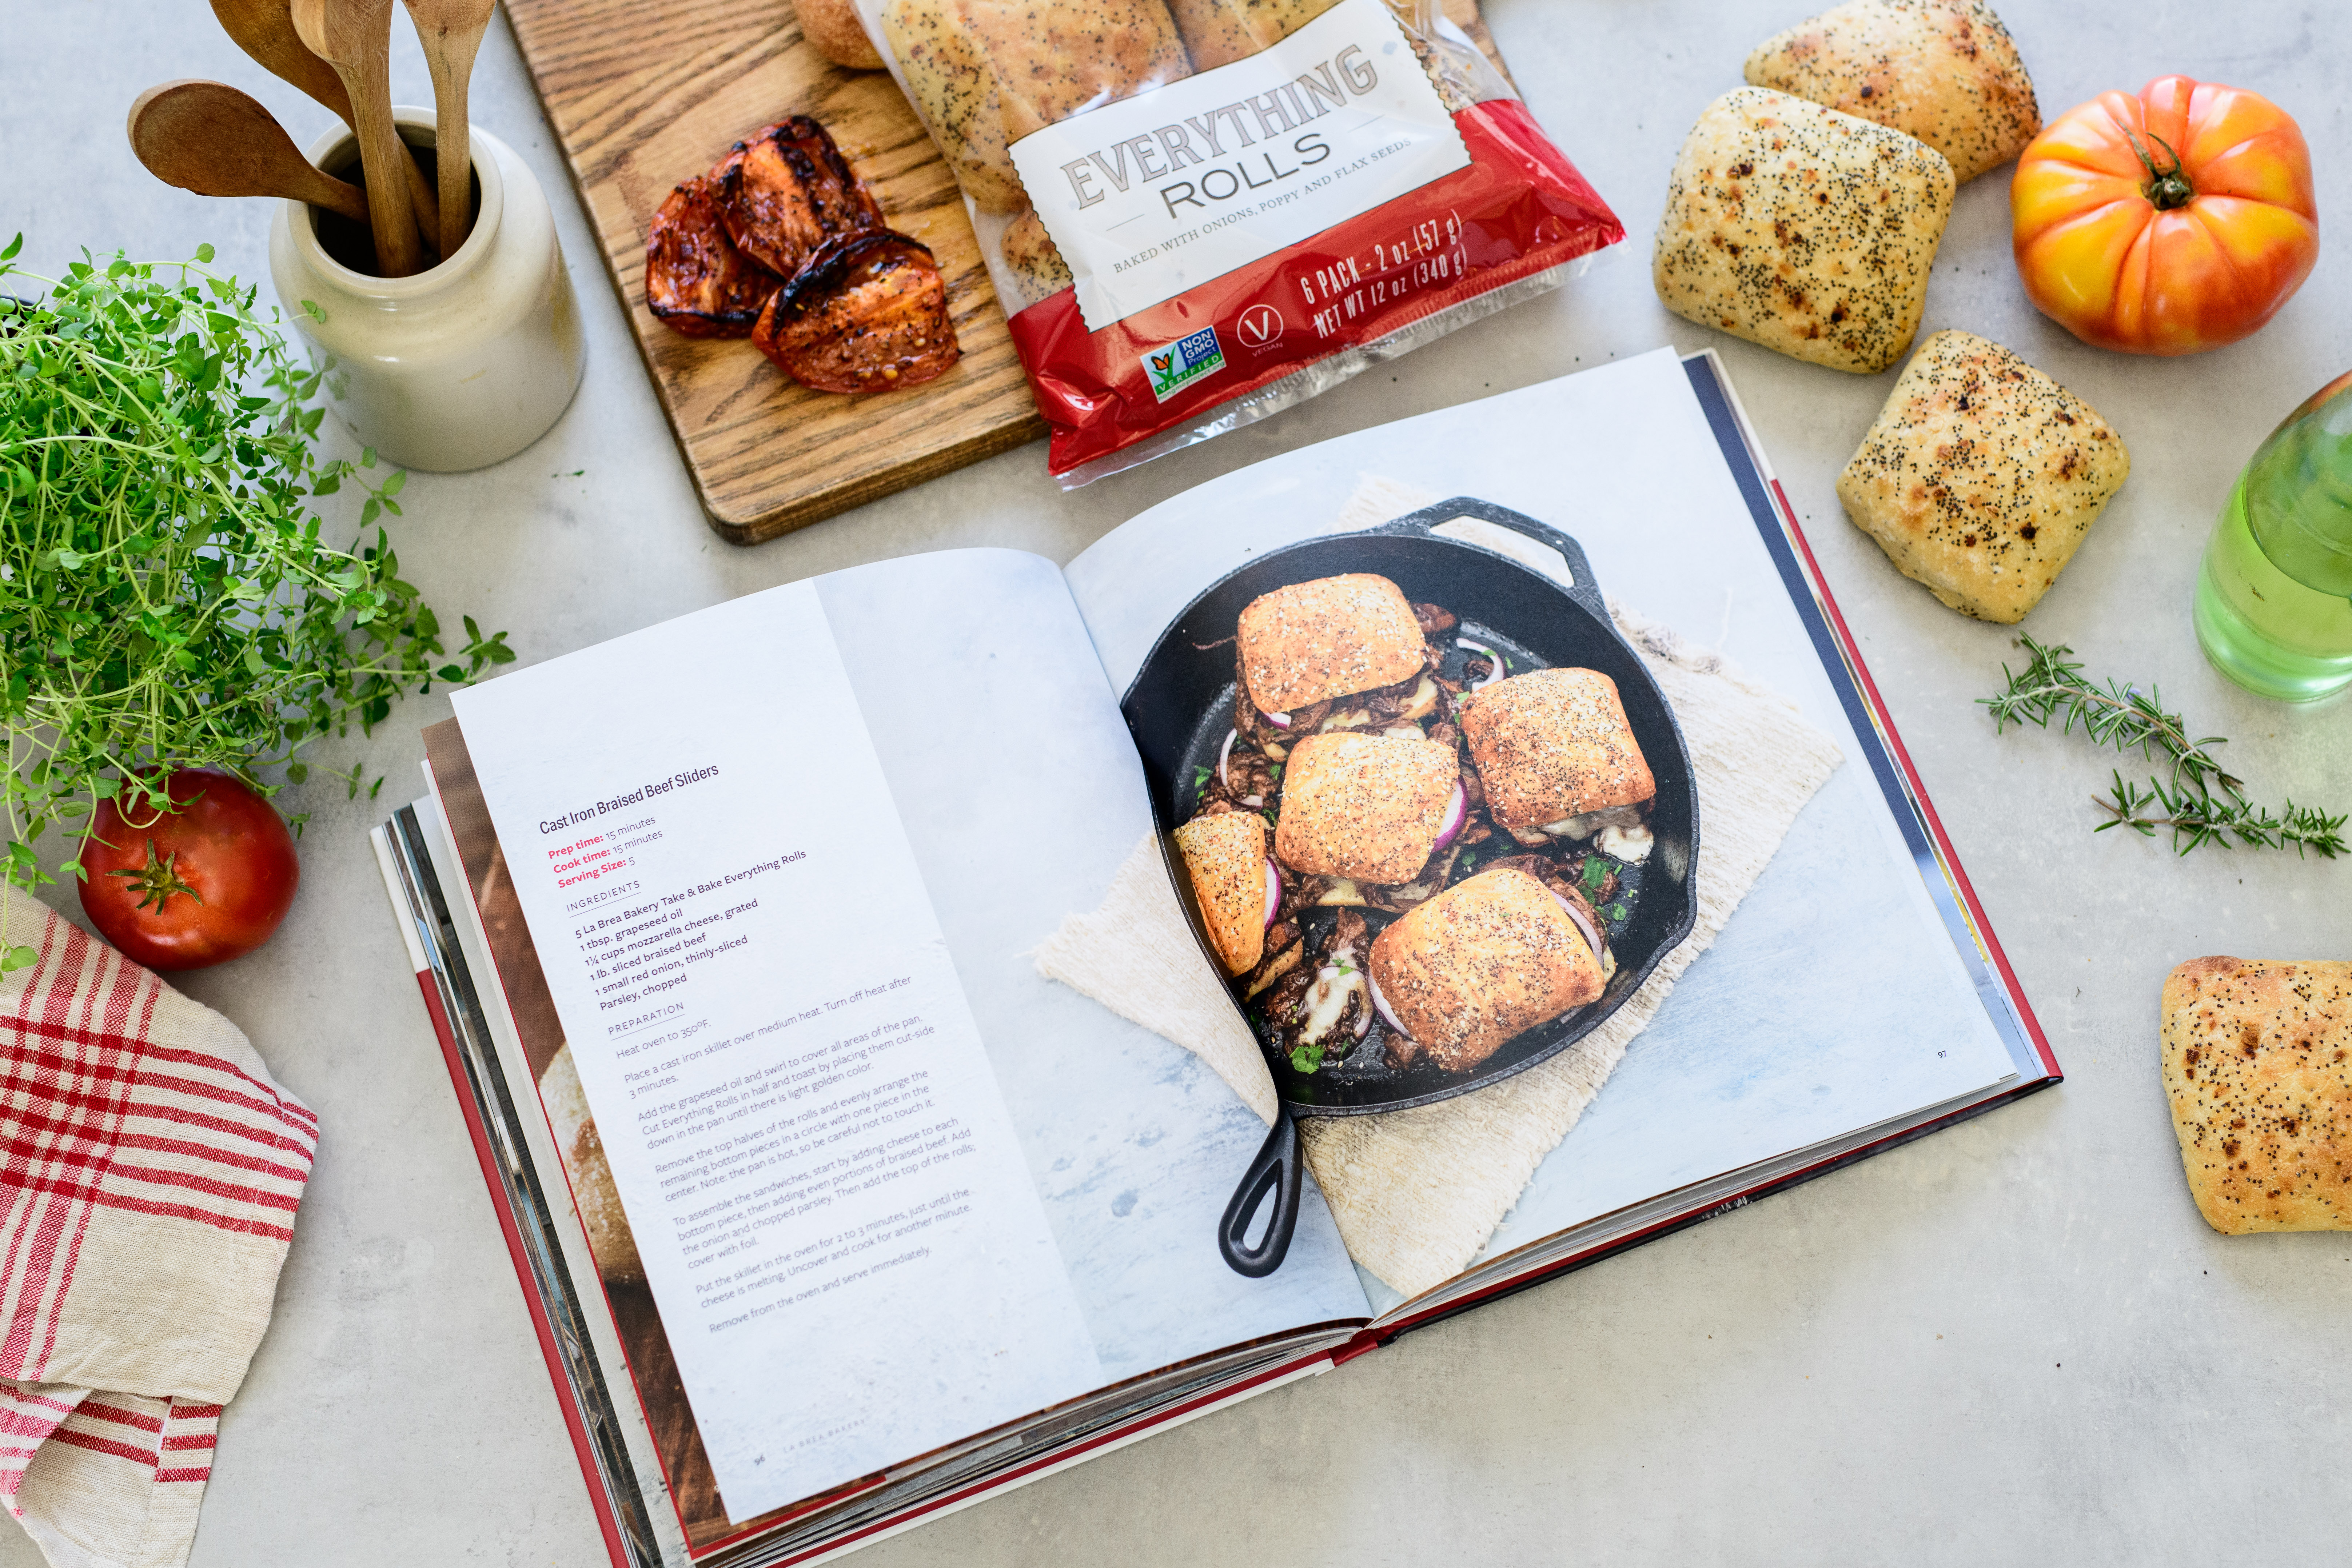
x,y
1417,1193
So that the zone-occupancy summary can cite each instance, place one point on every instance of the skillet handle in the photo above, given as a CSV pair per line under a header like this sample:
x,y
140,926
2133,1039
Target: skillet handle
x,y
1279,1169
1583,588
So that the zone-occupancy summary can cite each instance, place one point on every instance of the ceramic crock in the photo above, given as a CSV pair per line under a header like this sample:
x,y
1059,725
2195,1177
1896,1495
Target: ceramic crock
x,y
459,367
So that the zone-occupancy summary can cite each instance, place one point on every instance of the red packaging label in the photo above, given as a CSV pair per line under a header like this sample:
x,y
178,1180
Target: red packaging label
x,y
1519,208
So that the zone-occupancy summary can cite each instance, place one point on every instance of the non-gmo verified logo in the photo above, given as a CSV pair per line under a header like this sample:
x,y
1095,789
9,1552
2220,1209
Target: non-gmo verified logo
x,y
1182,363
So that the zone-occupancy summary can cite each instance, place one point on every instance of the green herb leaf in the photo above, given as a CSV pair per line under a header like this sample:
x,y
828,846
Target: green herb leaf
x,y
167,600
2198,819
1306,1058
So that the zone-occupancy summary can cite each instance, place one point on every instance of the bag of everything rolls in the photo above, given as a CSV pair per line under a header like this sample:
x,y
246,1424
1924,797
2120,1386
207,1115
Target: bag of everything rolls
x,y
1199,212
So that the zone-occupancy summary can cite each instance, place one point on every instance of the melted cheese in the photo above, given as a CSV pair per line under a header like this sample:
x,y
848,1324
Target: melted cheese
x,y
1628,844
1325,1003
1623,832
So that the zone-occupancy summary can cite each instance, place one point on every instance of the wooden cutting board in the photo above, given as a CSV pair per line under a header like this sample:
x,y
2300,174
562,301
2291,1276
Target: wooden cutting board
x,y
642,96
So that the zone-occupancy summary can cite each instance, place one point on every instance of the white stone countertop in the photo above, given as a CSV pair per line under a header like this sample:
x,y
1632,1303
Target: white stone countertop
x,y
2013,1342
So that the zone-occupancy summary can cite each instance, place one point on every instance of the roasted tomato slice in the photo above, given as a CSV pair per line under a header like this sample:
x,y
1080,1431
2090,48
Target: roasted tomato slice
x,y
721,168
789,192
868,313
696,280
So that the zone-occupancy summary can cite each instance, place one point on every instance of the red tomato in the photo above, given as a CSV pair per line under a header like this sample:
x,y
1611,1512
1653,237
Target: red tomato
x,y
196,886
2165,223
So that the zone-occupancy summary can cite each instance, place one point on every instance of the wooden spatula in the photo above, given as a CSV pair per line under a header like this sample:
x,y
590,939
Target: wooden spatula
x,y
265,30
451,32
207,137
355,37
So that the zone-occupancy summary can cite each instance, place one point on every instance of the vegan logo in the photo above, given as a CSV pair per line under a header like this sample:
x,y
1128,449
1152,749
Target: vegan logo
x,y
1260,327
1182,363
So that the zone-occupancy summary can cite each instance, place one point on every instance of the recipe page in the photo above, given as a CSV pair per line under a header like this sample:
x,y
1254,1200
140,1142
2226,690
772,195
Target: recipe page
x,y
821,1175
891,1187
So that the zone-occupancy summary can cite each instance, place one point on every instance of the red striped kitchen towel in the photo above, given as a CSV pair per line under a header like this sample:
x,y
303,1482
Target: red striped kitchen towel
x,y
149,1170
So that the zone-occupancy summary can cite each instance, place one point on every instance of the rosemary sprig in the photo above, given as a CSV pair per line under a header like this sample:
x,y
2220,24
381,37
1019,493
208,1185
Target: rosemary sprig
x,y
2197,820
2114,715
2203,803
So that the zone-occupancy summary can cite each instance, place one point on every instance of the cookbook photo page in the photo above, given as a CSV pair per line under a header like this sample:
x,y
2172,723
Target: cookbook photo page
x,y
1808,1016
833,925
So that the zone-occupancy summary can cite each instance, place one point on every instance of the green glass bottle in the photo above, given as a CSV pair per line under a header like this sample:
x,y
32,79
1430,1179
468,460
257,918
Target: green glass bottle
x,y
2275,595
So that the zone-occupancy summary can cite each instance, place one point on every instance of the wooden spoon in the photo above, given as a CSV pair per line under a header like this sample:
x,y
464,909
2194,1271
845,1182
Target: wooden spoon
x,y
355,37
451,32
209,138
265,30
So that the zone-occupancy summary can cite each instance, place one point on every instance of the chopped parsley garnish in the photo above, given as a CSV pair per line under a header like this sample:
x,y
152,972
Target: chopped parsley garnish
x,y
1596,872
1306,1058
1614,913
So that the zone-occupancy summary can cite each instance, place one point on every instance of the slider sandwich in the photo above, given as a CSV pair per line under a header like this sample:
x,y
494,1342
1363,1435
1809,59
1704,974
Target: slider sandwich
x,y
1491,957
1552,748
1235,884
1332,637
1371,807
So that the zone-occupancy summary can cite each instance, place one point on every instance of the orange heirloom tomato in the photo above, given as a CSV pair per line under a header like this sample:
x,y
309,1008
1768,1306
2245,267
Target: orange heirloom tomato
x,y
2165,223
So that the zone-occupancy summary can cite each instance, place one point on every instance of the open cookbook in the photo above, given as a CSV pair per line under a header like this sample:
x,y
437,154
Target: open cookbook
x,y
869,997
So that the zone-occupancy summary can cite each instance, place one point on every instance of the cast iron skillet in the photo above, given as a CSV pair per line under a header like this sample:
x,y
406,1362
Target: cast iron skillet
x,y
1180,707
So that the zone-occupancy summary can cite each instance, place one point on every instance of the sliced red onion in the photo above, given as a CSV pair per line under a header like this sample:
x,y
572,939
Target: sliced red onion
x,y
1582,923
1280,721
1494,674
1457,813
1363,1020
1273,892
1222,753
1381,1003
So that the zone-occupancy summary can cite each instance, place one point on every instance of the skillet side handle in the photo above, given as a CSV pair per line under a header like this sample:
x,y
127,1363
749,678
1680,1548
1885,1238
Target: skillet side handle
x,y
1279,1169
1579,569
